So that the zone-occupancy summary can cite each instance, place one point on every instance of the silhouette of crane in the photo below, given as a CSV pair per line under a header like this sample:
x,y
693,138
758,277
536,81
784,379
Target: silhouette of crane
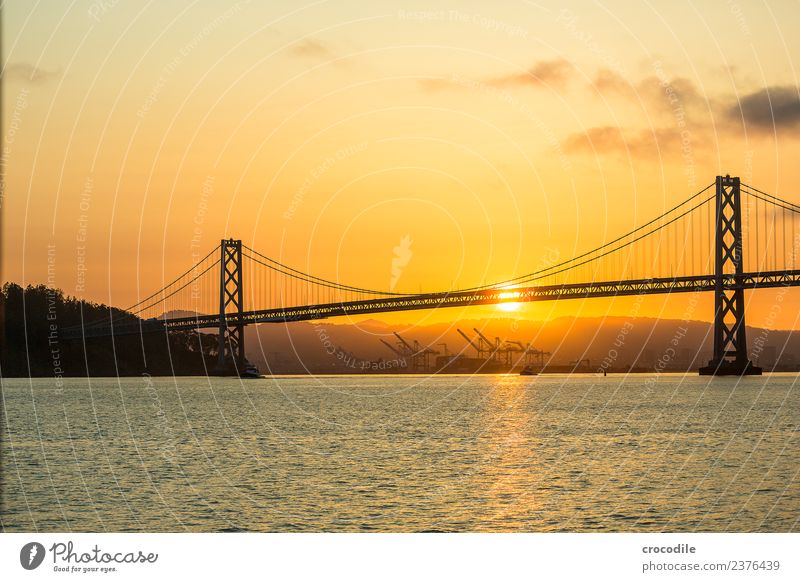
x,y
531,353
391,347
478,347
492,349
417,354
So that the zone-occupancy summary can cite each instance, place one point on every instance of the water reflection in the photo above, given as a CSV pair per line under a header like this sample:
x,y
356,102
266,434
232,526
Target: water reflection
x,y
503,453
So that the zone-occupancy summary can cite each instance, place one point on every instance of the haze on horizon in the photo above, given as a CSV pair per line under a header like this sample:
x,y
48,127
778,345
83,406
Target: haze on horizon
x,y
484,140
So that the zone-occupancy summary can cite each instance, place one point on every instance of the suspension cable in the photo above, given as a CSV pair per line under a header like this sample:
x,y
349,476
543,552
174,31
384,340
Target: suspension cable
x,y
308,278
173,282
629,243
781,200
165,297
131,313
777,202
531,276
300,276
542,273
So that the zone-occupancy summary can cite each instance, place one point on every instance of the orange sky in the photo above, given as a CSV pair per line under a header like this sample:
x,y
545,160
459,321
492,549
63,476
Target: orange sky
x,y
324,133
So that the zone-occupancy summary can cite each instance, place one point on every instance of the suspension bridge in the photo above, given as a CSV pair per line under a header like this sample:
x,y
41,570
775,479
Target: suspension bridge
x,y
727,238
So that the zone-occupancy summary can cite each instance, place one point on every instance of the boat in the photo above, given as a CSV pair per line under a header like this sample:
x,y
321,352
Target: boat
x,y
528,371
250,371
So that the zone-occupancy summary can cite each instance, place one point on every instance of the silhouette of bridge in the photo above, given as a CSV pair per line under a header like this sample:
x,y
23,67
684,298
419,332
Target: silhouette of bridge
x,y
727,238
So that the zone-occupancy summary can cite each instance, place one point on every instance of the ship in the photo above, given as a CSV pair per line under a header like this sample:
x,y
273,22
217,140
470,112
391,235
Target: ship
x,y
250,371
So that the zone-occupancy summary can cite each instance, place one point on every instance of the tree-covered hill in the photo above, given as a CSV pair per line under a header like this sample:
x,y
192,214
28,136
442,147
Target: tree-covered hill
x,y
33,345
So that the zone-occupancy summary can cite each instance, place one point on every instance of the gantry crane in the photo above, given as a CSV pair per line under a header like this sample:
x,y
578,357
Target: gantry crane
x,y
391,347
502,351
531,353
477,346
492,349
419,356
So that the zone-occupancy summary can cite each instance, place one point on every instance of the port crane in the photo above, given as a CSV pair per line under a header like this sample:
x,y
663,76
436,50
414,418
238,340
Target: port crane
x,y
391,347
531,353
478,347
492,349
502,351
418,355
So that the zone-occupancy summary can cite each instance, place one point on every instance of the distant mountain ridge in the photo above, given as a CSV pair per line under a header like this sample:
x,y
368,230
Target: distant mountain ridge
x,y
613,342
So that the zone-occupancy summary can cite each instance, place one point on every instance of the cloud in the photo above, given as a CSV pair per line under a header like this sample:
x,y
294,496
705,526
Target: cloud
x,y
542,74
437,84
599,139
608,81
28,73
646,143
657,91
311,48
768,108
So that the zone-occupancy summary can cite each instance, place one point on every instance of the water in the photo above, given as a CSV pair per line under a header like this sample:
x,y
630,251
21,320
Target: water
x,y
492,453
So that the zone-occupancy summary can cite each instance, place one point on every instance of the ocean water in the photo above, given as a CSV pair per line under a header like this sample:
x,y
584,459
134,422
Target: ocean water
x,y
402,453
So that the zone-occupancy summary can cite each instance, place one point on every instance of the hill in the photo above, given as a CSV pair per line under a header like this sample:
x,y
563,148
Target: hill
x,y
33,346
614,343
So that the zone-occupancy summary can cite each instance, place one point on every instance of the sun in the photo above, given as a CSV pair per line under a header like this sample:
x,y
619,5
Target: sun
x,y
509,305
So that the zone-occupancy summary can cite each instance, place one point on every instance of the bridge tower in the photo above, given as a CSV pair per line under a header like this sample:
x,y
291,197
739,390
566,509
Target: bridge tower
x,y
730,336
231,335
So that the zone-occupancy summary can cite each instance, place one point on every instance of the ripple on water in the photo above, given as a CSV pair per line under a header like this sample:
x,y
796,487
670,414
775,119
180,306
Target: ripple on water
x,y
402,454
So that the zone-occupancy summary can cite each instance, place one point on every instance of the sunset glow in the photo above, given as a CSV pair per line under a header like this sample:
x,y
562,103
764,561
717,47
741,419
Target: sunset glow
x,y
325,135
511,305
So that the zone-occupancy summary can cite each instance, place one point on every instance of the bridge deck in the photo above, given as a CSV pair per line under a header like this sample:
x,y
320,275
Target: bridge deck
x,y
764,280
